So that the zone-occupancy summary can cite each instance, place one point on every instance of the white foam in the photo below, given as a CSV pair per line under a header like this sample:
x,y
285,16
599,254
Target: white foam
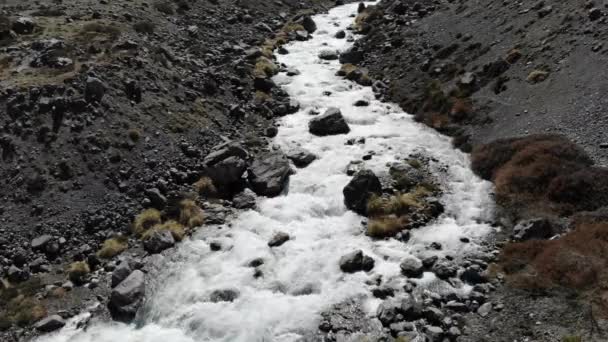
x,y
313,213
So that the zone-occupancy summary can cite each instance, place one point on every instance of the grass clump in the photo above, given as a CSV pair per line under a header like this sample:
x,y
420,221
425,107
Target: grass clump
x,y
292,27
537,76
572,339
385,226
97,28
112,247
205,187
190,214
264,67
77,271
18,305
146,220
176,229
134,134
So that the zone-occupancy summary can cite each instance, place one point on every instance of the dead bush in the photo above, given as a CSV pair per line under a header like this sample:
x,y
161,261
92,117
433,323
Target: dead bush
x,y
385,226
586,189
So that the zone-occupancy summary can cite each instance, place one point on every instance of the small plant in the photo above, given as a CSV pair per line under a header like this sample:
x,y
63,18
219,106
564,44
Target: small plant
x,y
264,67
175,228
112,247
77,271
572,339
134,134
101,28
144,26
537,76
190,214
205,187
385,226
146,220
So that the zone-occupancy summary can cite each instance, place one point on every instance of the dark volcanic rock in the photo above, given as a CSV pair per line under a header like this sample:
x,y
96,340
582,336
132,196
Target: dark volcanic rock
x,y
268,173
301,157
330,123
412,267
538,228
127,296
359,190
50,323
355,262
278,239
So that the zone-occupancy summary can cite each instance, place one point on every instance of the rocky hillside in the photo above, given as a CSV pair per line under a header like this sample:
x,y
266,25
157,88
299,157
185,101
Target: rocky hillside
x,y
482,71
112,108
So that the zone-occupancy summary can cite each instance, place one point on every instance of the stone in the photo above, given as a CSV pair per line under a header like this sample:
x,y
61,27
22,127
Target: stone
x,y
412,267
50,323
126,298
444,269
387,311
40,242
434,334
301,157
16,275
159,241
226,164
278,239
330,123
484,310
309,24
360,189
595,13
433,315
340,34
158,200
245,199
121,272
223,295
533,229
268,173
24,25
411,309
328,55
356,261
95,89
473,275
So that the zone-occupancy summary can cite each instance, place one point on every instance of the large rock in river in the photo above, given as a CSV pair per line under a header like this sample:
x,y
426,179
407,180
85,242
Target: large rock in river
x,y
359,190
330,123
127,297
269,172
226,164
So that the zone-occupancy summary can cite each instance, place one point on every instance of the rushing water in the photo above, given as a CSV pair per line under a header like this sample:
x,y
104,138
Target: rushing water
x,y
269,308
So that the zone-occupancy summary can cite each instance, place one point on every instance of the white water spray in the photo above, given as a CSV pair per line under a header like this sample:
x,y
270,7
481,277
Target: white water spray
x,y
272,307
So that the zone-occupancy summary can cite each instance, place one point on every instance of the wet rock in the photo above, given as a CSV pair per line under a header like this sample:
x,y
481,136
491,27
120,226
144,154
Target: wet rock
x,y
473,275
278,239
328,55
301,157
412,267
359,190
595,13
434,333
308,23
433,315
387,311
534,229
246,199
340,34
50,323
269,172
330,123
430,261
302,35
355,262
159,241
445,269
351,56
17,275
223,295
263,84
410,308
126,298
361,103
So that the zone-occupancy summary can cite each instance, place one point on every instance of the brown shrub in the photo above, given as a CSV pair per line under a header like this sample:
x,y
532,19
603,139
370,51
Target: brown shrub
x,y
586,189
578,260
112,247
146,220
385,226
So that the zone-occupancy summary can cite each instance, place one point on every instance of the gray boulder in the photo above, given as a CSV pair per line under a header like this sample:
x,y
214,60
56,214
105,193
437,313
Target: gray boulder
x,y
330,123
127,296
359,190
328,55
121,272
226,164
355,262
268,173
301,157
245,199
412,267
50,323
41,241
223,295
159,241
